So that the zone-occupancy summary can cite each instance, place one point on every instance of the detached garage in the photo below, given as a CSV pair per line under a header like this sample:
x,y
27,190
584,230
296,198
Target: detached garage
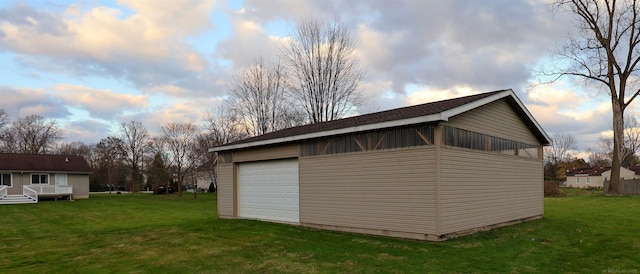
x,y
429,172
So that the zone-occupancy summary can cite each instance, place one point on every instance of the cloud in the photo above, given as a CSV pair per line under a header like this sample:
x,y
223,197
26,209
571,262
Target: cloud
x,y
249,42
176,17
86,131
442,44
21,102
104,104
147,48
562,110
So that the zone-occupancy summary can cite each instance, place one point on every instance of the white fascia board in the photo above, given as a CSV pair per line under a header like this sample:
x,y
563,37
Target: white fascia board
x,y
340,131
530,116
475,104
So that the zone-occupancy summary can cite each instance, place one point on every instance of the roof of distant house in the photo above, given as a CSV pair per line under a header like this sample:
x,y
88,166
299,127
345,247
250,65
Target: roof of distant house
x,y
597,171
43,163
588,171
424,113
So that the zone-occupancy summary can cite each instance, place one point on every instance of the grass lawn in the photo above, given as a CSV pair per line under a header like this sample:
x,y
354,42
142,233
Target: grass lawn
x,y
583,232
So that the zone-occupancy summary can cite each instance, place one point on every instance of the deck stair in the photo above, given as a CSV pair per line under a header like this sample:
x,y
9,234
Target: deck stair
x,y
16,199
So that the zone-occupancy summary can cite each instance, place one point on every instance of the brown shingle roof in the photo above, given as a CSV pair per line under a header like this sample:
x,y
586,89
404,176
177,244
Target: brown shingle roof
x,y
43,163
427,109
589,171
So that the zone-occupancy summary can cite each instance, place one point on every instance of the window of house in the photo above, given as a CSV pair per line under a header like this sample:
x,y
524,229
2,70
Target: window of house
x,y
42,179
5,180
588,181
577,180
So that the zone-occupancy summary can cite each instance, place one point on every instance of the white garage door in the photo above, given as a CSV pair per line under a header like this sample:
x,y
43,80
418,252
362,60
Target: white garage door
x,y
268,190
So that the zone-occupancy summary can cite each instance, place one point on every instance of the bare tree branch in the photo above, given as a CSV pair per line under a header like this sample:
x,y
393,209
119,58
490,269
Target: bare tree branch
x,y
327,76
32,134
606,52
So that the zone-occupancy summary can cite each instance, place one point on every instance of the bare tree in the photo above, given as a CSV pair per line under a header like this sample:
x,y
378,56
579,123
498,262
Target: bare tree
x,y
218,127
601,154
74,148
558,156
4,119
221,127
631,139
32,134
560,149
326,74
606,52
134,136
110,151
258,98
180,138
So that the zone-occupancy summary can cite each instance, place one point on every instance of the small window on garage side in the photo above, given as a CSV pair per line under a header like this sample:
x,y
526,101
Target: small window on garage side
x,y
39,179
5,180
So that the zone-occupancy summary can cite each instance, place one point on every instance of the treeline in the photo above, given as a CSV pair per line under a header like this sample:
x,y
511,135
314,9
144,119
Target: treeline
x,y
316,78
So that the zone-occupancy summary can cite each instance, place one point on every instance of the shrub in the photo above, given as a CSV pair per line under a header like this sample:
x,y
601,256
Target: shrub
x,y
552,190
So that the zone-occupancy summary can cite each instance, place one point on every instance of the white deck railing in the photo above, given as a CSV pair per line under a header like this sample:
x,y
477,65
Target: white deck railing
x,y
49,189
3,191
31,193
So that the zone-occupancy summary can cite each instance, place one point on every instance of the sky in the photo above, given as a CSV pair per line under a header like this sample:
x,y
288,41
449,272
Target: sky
x,y
92,65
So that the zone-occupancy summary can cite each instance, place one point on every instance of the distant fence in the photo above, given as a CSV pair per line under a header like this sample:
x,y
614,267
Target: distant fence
x,y
631,186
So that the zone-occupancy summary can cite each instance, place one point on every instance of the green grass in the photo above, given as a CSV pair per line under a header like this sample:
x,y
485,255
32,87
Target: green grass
x,y
142,233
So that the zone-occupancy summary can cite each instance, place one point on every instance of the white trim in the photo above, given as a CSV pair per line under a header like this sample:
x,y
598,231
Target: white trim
x,y
442,116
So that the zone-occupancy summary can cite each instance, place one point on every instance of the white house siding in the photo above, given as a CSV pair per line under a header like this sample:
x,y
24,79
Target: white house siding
x,y
598,181
380,191
480,189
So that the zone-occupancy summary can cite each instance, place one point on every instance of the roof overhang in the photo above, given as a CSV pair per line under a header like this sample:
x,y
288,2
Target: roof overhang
x,y
442,116
347,130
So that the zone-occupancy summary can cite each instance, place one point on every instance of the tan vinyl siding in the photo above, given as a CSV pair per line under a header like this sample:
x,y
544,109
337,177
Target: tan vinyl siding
x,y
391,190
226,191
80,183
479,189
18,181
268,153
495,119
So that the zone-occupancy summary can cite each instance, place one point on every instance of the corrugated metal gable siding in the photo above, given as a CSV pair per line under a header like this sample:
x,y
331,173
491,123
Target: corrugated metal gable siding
x,y
268,153
382,190
479,189
226,191
496,119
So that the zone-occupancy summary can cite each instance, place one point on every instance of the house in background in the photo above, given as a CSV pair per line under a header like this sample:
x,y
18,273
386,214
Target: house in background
x,y
25,178
595,176
430,171
202,176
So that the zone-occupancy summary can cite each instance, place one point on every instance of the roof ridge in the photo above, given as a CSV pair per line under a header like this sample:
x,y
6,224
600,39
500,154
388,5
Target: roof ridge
x,y
374,117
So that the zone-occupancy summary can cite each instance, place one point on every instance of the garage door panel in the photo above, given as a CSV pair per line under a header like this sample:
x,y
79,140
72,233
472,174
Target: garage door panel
x,y
269,190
